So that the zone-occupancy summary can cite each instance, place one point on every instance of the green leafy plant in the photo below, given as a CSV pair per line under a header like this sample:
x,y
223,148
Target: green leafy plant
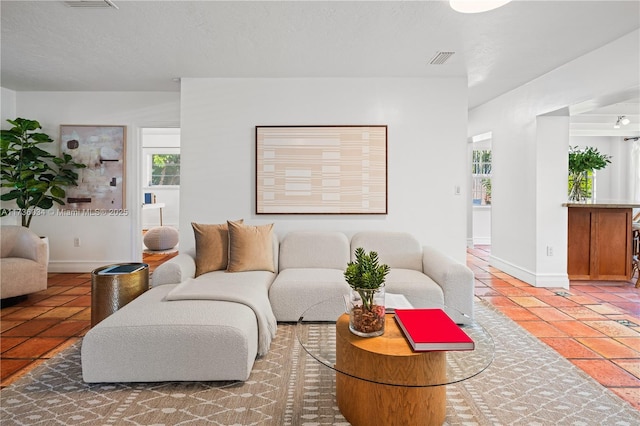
x,y
35,177
582,162
366,275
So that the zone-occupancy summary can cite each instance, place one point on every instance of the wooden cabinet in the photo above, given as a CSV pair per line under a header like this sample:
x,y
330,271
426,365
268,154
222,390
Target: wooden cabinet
x,y
599,244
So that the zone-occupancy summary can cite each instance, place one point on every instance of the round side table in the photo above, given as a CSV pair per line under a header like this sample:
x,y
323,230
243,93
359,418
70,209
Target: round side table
x,y
111,288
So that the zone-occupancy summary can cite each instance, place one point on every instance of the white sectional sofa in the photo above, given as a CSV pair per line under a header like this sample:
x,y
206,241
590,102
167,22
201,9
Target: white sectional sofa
x,y
200,329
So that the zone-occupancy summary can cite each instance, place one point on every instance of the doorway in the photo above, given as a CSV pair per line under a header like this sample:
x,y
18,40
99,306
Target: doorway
x,y
160,168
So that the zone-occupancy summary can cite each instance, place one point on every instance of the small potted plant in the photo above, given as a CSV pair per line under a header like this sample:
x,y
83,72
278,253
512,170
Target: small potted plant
x,y
366,277
35,178
583,162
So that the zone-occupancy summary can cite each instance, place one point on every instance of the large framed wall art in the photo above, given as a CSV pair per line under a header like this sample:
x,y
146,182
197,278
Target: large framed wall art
x,y
321,169
101,185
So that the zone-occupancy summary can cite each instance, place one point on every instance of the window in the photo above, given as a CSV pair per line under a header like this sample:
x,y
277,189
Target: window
x,y
481,170
165,169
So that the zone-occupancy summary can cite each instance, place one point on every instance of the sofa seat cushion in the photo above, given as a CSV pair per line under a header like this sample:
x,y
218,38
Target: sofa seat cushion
x,y
415,284
151,339
296,289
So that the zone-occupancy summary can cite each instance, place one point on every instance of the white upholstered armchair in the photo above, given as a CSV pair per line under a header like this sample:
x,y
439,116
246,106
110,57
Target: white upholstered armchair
x,y
24,259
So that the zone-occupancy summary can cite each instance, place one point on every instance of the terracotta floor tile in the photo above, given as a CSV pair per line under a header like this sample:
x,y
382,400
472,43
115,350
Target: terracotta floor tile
x,y
632,342
551,314
605,309
518,313
632,366
55,301
607,373
577,329
10,342
494,282
517,283
541,329
529,302
631,395
33,348
66,328
537,291
84,315
80,301
511,291
608,347
77,291
630,307
500,301
609,297
569,348
27,313
30,328
612,328
558,301
61,312
7,325
583,300
581,313
11,366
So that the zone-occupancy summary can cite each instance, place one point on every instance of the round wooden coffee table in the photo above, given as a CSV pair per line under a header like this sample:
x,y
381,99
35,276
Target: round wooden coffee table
x,y
381,380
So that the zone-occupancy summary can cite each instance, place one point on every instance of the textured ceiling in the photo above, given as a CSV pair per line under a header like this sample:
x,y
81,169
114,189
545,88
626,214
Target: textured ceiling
x,y
145,44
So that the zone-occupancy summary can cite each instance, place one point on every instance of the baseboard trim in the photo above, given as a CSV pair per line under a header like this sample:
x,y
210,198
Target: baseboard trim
x,y
536,280
66,267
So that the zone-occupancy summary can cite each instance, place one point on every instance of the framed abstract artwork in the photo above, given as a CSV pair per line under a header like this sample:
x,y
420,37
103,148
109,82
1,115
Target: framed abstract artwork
x,y
101,185
321,169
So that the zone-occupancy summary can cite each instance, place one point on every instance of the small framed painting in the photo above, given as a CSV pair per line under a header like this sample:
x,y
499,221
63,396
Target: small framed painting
x,y
101,185
321,169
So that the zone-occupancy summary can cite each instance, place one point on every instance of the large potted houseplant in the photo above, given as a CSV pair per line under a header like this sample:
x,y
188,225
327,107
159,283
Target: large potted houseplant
x,y
582,164
31,176
366,306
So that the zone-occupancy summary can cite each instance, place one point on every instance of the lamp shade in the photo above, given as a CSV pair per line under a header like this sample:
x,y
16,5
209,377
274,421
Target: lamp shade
x,y
476,6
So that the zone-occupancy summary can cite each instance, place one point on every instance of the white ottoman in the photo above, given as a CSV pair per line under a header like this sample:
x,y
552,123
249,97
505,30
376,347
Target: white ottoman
x,y
153,340
161,238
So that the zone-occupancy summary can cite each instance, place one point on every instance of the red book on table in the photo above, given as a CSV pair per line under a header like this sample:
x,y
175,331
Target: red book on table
x,y
432,330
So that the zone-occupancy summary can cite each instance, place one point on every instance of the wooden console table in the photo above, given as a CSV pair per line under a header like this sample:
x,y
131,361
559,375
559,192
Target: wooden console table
x,y
599,241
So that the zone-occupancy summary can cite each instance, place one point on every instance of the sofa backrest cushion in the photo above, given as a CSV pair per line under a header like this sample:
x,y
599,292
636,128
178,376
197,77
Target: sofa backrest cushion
x,y
396,249
18,241
314,249
250,247
212,246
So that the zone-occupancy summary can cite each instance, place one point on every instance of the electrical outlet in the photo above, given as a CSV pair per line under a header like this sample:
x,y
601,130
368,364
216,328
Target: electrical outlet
x,y
549,250
76,242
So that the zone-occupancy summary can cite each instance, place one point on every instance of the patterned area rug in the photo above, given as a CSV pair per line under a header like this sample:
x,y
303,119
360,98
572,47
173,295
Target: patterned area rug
x,y
527,384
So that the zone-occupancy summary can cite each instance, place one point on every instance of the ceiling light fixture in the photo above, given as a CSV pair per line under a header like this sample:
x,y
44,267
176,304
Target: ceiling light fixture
x,y
476,6
621,120
91,4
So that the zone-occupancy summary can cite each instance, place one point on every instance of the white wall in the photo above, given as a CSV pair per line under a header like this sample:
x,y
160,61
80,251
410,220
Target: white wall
x,y
103,240
7,112
7,107
526,202
427,150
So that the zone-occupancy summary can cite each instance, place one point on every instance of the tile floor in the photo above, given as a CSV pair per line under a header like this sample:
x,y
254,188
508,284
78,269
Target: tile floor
x,y
596,325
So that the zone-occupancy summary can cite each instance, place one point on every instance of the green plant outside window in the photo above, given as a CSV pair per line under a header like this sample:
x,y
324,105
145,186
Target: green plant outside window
x,y
165,169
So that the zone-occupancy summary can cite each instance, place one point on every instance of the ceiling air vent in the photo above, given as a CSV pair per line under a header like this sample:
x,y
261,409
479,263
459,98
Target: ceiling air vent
x,y
441,58
91,3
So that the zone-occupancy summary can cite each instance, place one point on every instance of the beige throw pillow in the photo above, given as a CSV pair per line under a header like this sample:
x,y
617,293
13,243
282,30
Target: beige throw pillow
x,y
250,247
212,246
